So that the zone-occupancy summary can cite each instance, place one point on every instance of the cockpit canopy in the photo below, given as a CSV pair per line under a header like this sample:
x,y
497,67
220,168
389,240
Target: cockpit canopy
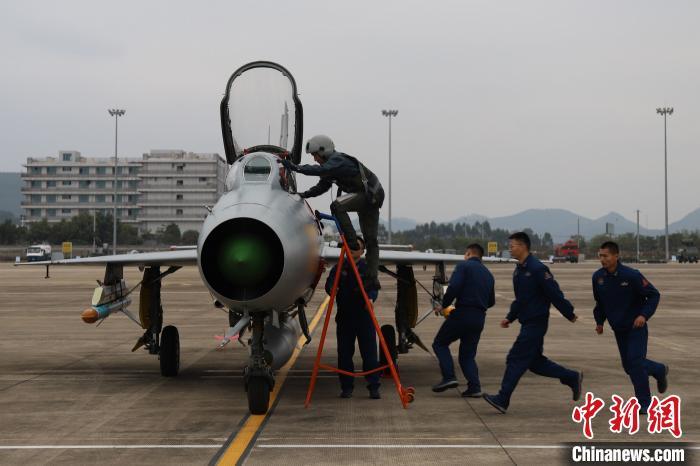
x,y
261,112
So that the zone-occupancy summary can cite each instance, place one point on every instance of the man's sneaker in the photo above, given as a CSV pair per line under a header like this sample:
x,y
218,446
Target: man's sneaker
x,y
346,393
472,393
444,385
662,382
576,388
495,402
374,393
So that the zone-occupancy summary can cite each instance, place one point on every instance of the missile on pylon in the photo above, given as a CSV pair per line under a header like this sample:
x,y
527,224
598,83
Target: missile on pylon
x,y
101,311
106,300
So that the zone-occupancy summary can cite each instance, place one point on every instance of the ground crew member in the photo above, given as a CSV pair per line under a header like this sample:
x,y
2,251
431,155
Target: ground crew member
x,y
365,196
627,300
353,321
535,289
472,285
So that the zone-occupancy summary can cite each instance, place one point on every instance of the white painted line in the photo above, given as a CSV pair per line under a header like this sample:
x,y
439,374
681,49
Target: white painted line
x,y
100,447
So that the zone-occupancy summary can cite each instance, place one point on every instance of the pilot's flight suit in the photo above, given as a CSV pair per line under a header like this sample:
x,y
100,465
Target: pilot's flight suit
x,y
535,289
620,298
472,285
366,200
353,321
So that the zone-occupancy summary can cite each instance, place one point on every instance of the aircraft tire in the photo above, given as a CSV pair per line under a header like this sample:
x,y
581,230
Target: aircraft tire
x,y
258,395
169,351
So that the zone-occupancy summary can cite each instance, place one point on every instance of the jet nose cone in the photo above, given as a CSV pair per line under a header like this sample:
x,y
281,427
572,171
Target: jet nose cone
x,y
245,260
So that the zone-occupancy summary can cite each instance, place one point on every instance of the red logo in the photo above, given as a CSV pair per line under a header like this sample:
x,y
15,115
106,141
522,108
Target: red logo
x,y
625,416
665,415
587,412
662,415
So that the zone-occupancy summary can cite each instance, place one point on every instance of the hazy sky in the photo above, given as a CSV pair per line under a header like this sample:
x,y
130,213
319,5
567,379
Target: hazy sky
x,y
503,106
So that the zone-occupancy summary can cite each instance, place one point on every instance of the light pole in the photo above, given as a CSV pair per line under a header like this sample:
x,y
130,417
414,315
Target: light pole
x,y
116,113
666,111
637,236
389,114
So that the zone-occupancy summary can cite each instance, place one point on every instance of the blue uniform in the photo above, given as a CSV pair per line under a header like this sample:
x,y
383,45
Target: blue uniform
x,y
472,285
535,290
353,321
621,297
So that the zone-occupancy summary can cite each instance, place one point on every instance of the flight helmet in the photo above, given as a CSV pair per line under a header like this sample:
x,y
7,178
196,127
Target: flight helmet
x,y
320,144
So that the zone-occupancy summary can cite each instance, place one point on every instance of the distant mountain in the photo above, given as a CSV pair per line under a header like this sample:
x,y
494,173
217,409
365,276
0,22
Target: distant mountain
x,y
689,222
10,193
562,223
399,223
5,215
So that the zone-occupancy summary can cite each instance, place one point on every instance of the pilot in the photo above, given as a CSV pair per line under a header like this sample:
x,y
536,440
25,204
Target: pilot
x,y
472,285
535,289
365,196
353,321
628,300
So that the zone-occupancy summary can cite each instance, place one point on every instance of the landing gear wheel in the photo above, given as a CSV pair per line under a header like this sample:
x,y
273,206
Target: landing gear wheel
x,y
258,395
389,335
169,351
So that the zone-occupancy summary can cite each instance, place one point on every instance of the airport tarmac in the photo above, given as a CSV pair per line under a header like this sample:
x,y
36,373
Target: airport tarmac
x,y
73,393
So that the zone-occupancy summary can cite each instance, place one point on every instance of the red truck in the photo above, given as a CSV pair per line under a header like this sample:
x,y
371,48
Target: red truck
x,y
567,252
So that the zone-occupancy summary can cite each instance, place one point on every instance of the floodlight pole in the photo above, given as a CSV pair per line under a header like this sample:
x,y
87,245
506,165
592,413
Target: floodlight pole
x,y
637,236
666,111
389,114
116,113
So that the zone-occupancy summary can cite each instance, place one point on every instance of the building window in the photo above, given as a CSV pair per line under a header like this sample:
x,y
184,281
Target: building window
x,y
100,184
35,212
178,212
51,212
36,170
51,198
101,170
100,198
180,168
202,179
50,184
178,197
133,184
65,211
35,198
65,183
65,197
35,184
83,198
179,183
66,169
49,170
83,170
66,157
84,184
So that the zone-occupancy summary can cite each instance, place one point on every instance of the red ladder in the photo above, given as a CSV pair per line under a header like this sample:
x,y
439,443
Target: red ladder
x,y
406,394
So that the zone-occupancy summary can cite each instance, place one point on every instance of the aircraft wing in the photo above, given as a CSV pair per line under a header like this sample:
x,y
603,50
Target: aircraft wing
x,y
179,257
331,255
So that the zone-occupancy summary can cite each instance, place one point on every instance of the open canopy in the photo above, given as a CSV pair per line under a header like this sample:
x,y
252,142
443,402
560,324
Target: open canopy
x,y
261,111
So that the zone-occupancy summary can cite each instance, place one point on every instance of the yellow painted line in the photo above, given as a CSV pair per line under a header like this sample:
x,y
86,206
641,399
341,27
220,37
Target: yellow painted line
x,y
248,431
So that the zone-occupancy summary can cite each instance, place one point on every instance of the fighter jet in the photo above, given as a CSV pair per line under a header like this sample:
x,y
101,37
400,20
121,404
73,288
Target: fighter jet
x,y
260,252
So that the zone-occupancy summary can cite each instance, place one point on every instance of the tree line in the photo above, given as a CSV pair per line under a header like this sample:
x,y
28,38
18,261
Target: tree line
x,y
82,229
456,236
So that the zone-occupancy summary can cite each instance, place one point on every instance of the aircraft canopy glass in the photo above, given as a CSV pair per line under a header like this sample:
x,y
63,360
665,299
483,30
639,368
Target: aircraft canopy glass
x,y
261,110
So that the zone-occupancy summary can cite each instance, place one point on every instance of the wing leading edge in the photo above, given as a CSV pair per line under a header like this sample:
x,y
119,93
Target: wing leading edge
x,y
180,257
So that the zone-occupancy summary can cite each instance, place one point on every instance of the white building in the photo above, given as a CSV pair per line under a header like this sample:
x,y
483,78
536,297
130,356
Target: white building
x,y
162,187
